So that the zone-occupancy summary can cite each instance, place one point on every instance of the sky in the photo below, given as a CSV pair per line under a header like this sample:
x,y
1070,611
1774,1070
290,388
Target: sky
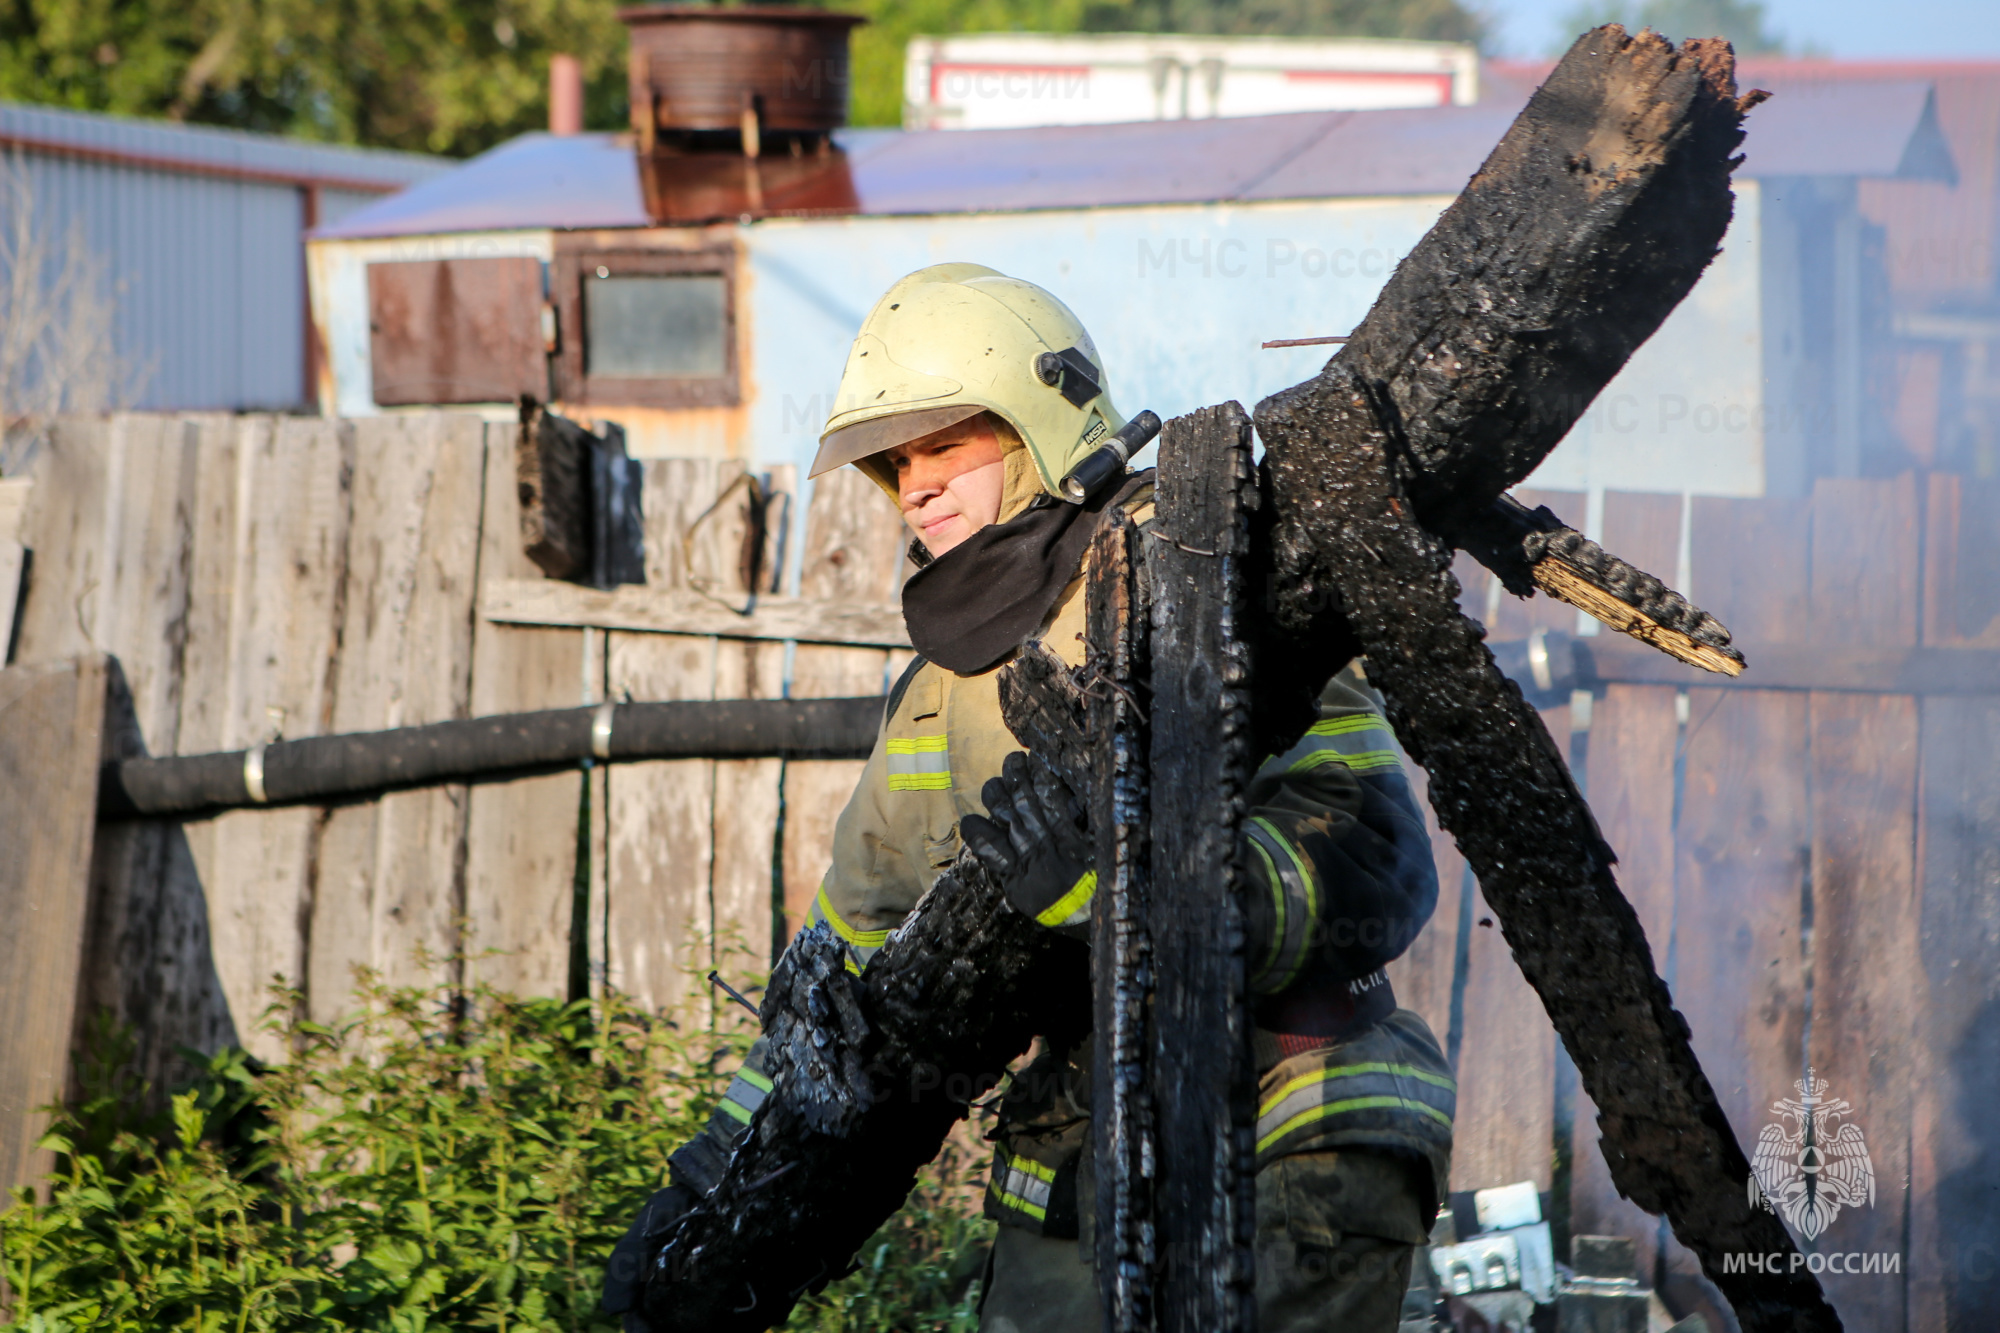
x,y
1849,29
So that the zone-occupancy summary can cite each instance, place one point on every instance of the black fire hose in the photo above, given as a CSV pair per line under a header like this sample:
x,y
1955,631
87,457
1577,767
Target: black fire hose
x,y
322,769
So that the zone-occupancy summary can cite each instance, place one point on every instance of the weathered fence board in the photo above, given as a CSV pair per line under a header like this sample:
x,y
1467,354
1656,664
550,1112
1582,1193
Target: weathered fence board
x,y
854,540
662,852
1954,1261
112,521
1867,972
51,722
1629,776
292,521
744,887
521,843
389,888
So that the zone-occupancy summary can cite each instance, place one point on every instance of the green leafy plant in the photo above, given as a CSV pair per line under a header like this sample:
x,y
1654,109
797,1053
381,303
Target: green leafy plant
x,y
437,1162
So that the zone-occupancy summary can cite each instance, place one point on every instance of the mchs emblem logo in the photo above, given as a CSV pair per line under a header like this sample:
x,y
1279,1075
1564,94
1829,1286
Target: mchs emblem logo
x,y
1808,1165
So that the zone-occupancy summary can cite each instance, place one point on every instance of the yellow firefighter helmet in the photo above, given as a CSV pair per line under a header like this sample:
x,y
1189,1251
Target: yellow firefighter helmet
x,y
954,340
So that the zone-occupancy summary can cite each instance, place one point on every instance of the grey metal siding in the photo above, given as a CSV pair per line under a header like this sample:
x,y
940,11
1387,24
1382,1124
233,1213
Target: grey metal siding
x,y
207,272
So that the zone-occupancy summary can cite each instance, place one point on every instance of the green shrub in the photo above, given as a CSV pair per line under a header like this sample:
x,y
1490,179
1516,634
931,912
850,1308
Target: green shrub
x,y
436,1163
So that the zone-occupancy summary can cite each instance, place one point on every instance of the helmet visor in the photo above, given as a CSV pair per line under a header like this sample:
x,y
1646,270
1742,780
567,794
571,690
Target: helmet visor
x,y
851,444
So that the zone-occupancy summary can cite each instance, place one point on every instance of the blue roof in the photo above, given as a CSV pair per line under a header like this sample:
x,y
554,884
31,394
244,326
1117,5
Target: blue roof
x,y
1884,129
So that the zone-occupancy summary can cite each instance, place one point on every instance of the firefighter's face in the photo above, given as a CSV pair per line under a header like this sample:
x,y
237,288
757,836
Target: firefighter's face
x,y
949,482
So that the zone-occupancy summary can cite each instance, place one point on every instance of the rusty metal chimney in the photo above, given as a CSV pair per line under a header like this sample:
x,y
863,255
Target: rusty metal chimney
x,y
764,77
734,109
565,95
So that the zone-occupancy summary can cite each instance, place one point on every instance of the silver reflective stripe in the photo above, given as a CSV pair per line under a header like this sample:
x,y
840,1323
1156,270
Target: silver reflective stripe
x,y
1021,1185
746,1093
918,763
1357,1094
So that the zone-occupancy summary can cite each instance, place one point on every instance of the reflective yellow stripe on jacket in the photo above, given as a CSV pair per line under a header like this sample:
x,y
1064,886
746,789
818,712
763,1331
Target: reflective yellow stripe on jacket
x,y
918,763
1352,1099
862,945
1361,741
1019,1185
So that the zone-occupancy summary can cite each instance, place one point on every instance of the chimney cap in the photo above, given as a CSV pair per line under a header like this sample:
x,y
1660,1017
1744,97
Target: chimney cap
x,y
633,15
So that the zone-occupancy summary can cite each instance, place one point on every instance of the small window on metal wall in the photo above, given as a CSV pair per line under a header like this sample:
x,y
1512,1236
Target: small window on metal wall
x,y
655,327
650,328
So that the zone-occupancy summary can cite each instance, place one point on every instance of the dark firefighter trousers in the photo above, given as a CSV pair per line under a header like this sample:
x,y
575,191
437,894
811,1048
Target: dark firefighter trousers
x,y
1335,1235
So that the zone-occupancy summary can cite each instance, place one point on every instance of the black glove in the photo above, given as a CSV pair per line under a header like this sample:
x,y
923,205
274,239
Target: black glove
x,y
1039,848
625,1271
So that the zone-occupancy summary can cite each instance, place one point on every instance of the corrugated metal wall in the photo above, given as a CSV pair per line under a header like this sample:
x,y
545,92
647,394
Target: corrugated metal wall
x,y
207,268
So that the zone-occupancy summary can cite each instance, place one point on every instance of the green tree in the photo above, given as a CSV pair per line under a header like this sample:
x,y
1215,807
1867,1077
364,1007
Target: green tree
x,y
437,76
1741,21
459,76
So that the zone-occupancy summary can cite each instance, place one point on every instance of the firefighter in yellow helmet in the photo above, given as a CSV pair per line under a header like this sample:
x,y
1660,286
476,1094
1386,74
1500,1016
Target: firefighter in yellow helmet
x,y
979,404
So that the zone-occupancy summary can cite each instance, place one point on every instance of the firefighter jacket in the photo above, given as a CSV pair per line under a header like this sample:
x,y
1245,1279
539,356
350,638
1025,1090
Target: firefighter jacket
x,y
1340,879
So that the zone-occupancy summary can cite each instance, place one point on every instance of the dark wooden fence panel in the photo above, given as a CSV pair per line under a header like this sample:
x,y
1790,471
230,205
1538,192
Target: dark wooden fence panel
x,y
51,726
1629,780
1866,972
1955,1138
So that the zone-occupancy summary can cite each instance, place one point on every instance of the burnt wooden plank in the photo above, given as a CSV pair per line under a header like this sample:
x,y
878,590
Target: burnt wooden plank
x,y
1867,971
51,729
1202,1077
552,472
1505,1127
1121,947
1517,617
1498,783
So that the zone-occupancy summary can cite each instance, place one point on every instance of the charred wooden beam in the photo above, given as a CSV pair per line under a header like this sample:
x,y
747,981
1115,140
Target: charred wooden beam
x,y
1121,954
1581,232
1530,549
1200,1074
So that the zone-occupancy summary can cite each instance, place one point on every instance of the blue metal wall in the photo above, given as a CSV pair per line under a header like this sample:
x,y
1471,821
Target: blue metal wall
x,y
207,273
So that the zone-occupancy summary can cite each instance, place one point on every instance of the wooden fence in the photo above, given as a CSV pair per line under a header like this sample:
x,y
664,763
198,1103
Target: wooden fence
x,y
258,576
1818,871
